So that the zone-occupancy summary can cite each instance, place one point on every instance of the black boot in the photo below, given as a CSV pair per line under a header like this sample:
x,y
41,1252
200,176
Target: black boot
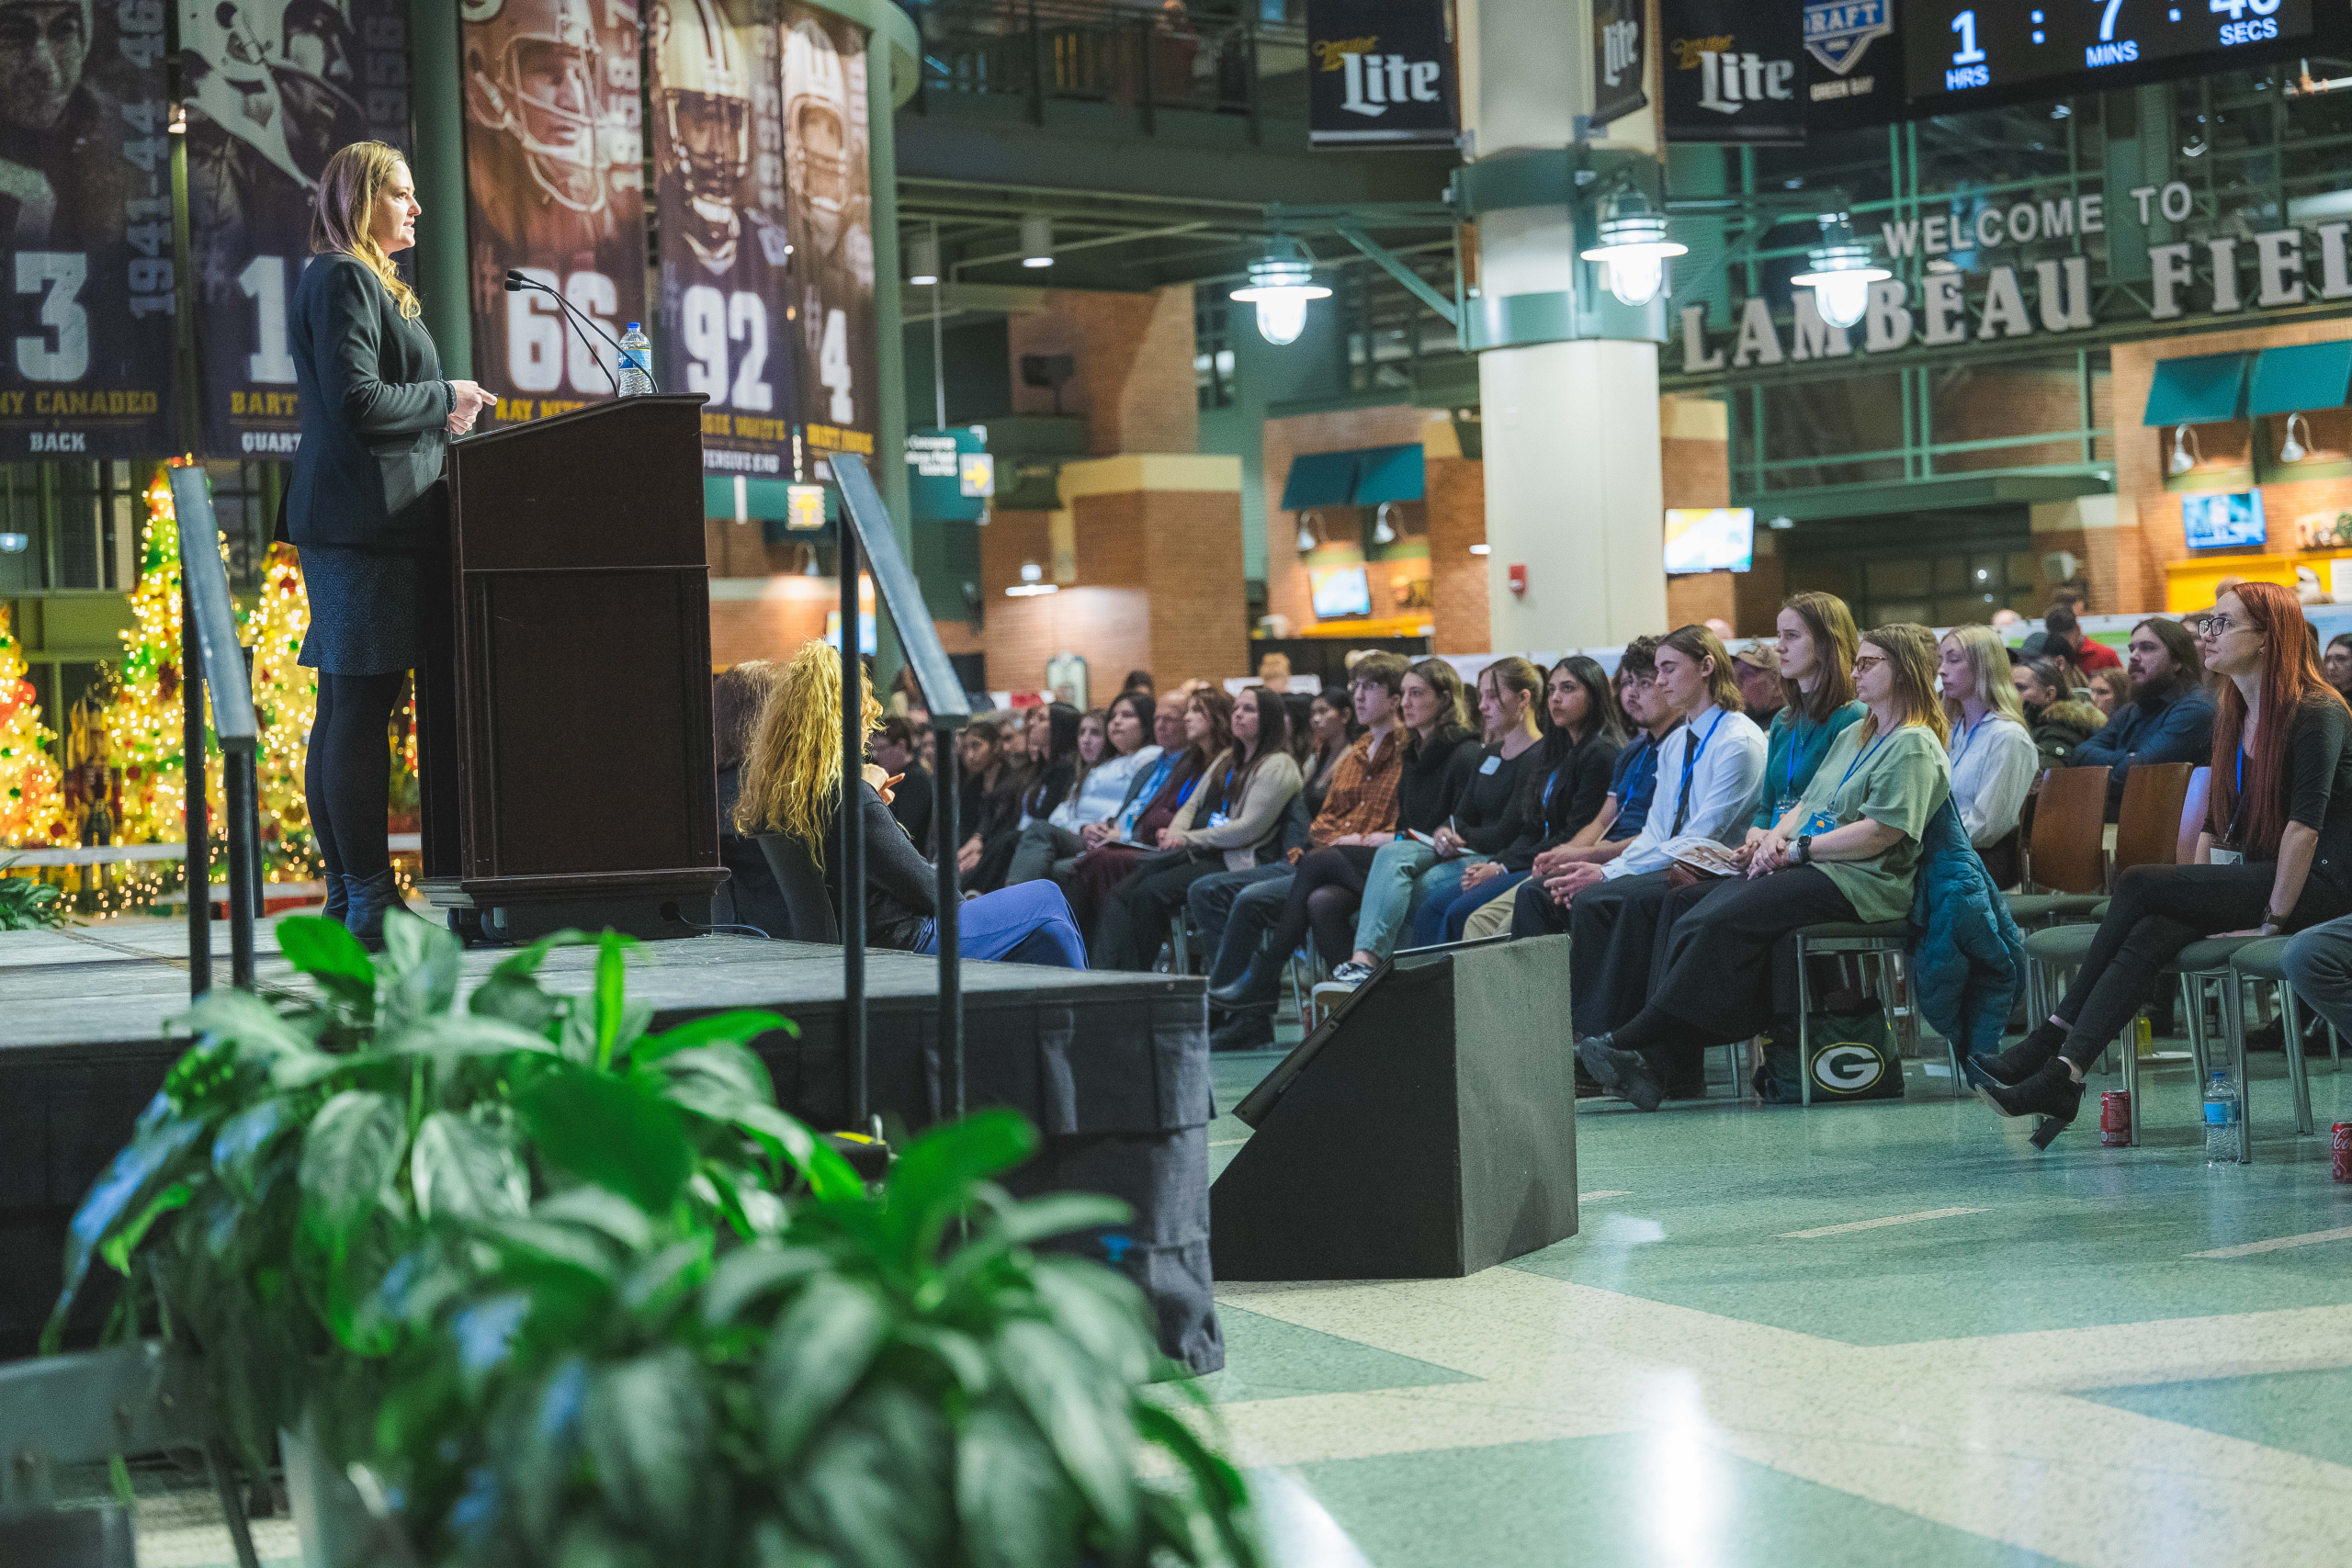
x,y
369,898
2053,1094
1627,1074
1248,1029
338,898
2021,1061
1255,988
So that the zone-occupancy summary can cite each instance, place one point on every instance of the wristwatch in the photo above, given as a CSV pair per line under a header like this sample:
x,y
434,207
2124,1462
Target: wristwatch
x,y
1805,849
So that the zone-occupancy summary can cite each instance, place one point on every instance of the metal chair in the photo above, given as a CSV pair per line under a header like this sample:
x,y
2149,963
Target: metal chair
x,y
1889,942
2263,961
85,1408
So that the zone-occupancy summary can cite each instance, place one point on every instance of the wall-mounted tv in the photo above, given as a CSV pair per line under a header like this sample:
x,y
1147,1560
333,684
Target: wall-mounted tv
x,y
1340,591
2220,520
1719,539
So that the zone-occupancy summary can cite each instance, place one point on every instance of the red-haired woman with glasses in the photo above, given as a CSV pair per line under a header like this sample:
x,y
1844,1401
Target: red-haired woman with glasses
x,y
2276,854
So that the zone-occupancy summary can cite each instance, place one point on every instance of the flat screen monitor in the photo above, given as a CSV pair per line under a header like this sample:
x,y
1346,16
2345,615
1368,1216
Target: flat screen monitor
x,y
1340,591
2222,520
1720,538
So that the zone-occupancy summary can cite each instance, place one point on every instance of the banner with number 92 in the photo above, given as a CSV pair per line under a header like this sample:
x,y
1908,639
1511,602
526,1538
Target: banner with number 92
x,y
86,231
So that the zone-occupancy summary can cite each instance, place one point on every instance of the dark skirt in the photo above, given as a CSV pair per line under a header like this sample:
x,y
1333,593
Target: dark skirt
x,y
363,610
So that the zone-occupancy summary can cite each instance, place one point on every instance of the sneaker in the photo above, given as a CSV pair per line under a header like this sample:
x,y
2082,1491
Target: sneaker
x,y
1351,973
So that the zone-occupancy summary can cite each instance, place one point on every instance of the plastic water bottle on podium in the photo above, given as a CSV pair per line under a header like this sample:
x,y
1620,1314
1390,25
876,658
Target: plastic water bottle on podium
x,y
635,366
2222,1111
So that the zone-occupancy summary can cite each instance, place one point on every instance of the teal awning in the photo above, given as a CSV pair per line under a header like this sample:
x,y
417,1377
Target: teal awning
x,y
1388,473
1320,479
2205,390
762,498
2308,376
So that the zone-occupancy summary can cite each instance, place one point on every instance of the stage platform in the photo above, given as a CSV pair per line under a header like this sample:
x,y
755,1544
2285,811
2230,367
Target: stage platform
x,y
1113,1067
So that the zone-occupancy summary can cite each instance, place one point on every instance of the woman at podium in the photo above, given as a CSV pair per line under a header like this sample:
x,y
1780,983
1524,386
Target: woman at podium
x,y
791,800
376,416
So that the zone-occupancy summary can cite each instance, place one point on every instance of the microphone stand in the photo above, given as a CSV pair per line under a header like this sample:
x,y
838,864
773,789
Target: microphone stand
x,y
516,282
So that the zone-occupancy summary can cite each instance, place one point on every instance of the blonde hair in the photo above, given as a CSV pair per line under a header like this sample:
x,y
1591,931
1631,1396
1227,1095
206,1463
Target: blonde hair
x,y
1988,665
1910,650
792,776
349,188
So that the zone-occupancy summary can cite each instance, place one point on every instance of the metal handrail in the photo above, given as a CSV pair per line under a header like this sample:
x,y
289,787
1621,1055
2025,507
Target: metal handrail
x,y
212,662
865,526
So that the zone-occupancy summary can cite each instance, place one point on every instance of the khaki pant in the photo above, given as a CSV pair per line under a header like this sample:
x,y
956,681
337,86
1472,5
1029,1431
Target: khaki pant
x,y
1491,917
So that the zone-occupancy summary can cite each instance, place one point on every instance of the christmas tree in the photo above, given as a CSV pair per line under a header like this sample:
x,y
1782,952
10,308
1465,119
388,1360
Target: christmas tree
x,y
286,702
144,723
29,810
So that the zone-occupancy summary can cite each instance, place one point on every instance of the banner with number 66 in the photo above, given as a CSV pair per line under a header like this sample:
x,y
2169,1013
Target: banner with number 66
x,y
86,231
273,88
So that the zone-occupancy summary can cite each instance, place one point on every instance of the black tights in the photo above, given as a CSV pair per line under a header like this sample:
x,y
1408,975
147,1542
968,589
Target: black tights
x,y
347,776
1323,894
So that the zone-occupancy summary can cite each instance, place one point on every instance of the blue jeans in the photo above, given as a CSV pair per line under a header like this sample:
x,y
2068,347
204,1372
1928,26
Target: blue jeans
x,y
1405,874
1247,903
1437,920
1029,922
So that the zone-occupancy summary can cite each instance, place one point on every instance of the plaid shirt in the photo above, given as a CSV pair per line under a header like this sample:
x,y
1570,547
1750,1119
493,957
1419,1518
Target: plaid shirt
x,y
1363,797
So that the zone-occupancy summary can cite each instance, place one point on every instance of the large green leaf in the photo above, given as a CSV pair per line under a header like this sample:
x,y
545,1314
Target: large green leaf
x,y
1101,1310
148,1165
117,1248
647,1433
611,985
421,965
784,1137
751,1274
467,1034
611,1131
327,951
820,1349
241,1018
1220,1501
934,1180
879,1478
1084,1416
600,1210
465,1168
242,1141
543,1448
655,1287
1058,1213
774,1545
524,962
1017,1507
350,1154
738,1027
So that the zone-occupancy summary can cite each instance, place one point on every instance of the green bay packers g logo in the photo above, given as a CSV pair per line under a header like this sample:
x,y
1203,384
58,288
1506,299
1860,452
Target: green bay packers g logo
x,y
1848,1068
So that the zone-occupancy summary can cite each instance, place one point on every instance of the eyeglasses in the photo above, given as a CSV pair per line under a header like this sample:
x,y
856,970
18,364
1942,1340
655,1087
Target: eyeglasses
x,y
2221,626
1868,662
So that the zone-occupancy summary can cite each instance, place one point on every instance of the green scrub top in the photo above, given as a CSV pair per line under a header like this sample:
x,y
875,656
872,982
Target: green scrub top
x,y
1901,780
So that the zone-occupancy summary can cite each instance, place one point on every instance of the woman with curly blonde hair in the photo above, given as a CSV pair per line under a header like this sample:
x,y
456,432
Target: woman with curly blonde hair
x,y
791,795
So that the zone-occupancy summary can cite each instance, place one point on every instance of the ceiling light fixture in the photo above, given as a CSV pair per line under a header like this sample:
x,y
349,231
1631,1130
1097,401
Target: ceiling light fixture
x,y
1482,549
1634,247
2184,455
1038,240
1281,283
923,261
1032,582
2292,450
1841,272
1310,532
1382,532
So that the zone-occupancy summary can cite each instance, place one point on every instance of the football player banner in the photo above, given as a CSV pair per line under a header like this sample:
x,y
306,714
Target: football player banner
x,y
273,88
85,230
829,218
555,189
722,325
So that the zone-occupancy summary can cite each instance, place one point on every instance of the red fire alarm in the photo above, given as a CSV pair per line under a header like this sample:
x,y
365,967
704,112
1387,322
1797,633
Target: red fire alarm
x,y
1518,578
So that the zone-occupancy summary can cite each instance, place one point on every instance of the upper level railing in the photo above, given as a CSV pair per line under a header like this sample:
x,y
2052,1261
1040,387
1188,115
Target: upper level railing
x,y
1145,59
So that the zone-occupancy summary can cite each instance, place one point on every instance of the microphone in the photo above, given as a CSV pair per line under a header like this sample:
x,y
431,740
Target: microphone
x,y
516,282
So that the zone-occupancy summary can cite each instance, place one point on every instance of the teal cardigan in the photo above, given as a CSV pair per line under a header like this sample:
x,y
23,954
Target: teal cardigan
x,y
1796,755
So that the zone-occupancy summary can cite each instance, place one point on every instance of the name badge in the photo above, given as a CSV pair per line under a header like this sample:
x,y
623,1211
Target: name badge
x,y
1820,822
2229,857
1782,807
1218,819
1490,764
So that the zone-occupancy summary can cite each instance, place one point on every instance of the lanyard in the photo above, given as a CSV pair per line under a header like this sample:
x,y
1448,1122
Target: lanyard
x,y
1797,740
1864,757
2237,804
1690,752
1967,735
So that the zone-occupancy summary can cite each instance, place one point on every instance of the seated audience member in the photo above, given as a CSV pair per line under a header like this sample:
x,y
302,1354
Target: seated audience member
x,y
1721,628
1330,730
2058,721
1618,928
1331,882
1140,680
749,896
1052,741
1273,673
2275,853
1191,730
1097,792
1758,670
899,749
1991,753
1846,851
791,797
1561,790
1231,820
2005,620
986,788
1709,771
2335,664
2111,689
2169,717
2087,656
1234,911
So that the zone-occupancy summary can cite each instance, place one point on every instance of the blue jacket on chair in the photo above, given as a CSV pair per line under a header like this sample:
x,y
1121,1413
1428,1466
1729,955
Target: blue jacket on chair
x,y
1967,957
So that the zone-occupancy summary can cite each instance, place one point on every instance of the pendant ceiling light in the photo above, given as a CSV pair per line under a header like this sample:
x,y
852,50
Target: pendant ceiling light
x,y
2292,450
922,260
1038,240
1281,283
1840,273
1309,532
2184,455
1634,247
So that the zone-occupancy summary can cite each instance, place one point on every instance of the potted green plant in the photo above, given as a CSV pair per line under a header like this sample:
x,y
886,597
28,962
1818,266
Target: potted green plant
x,y
558,1290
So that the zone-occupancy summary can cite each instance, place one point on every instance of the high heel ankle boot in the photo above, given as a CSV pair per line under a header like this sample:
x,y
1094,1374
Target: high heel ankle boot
x,y
2023,1060
368,898
2051,1094
1257,986
338,901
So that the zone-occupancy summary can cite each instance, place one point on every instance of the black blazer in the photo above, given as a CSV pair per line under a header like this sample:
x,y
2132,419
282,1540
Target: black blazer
x,y
374,411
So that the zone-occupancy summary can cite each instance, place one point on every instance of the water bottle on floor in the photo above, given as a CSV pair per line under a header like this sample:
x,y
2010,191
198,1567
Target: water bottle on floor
x,y
2222,1110
635,362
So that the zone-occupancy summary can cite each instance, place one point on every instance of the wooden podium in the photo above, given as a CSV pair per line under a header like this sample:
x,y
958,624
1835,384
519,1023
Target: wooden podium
x,y
563,706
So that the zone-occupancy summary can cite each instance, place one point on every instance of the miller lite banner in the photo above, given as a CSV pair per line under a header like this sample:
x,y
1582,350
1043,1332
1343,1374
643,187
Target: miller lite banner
x,y
86,231
1619,59
273,88
1381,73
1734,70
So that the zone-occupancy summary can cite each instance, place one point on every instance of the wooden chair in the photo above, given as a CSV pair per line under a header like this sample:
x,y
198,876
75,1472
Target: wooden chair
x,y
2067,855
2162,804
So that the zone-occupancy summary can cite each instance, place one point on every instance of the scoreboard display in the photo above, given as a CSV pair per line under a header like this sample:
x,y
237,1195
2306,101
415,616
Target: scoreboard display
x,y
1958,52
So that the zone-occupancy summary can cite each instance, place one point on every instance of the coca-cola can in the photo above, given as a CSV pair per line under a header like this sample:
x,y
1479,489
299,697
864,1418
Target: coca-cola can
x,y
2339,1151
2115,1118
